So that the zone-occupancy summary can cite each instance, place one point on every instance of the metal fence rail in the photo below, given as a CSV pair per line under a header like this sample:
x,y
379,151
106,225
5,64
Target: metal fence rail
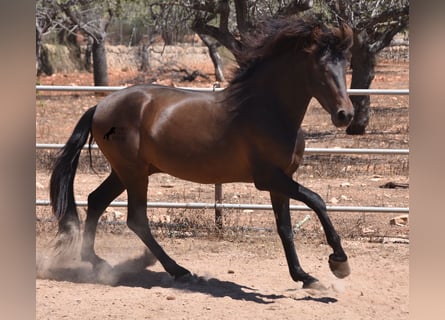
x,y
115,88
240,206
306,151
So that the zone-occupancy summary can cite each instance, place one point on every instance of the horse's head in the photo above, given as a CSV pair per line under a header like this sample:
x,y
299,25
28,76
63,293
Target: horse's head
x,y
329,55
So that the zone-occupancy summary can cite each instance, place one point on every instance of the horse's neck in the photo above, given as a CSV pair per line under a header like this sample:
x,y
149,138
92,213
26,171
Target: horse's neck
x,y
284,83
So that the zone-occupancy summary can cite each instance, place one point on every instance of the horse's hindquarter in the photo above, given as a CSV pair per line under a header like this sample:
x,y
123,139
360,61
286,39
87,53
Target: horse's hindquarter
x,y
116,125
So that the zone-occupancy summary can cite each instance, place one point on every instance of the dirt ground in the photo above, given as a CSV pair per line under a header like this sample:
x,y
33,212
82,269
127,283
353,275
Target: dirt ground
x,y
240,272
245,279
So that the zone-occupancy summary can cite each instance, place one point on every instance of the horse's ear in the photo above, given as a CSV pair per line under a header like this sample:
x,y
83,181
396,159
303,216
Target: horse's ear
x,y
313,40
346,36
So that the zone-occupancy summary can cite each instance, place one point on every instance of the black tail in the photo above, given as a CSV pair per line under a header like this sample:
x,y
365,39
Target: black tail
x,y
62,178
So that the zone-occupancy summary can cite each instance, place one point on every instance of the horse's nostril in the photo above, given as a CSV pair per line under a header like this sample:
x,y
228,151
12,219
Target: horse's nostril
x,y
344,117
341,115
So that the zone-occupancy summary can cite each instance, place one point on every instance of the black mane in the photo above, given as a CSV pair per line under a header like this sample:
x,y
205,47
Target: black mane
x,y
275,36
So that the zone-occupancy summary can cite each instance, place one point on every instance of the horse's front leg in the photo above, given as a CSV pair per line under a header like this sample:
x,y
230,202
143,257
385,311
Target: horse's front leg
x,y
338,261
280,206
277,182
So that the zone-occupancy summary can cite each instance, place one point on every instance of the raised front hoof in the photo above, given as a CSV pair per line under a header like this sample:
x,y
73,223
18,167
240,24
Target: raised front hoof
x,y
340,269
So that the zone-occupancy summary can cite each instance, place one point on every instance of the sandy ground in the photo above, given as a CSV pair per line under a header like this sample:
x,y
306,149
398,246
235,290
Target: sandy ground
x,y
245,279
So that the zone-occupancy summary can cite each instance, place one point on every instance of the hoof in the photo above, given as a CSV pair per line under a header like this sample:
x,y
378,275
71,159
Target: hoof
x,y
186,278
340,269
102,266
104,273
314,285
182,274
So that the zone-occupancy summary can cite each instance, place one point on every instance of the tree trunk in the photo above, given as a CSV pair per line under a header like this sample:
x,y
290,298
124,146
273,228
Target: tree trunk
x,y
224,37
38,52
363,62
144,52
215,57
42,63
100,68
145,63
88,53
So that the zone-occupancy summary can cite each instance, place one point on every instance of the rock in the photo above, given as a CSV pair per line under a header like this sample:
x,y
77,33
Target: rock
x,y
118,215
367,230
395,185
395,240
401,220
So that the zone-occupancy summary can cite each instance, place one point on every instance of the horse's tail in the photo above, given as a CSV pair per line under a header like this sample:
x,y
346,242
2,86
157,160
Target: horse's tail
x,y
62,178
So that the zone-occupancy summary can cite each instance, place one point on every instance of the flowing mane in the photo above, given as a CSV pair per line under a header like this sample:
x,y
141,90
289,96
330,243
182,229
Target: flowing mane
x,y
275,36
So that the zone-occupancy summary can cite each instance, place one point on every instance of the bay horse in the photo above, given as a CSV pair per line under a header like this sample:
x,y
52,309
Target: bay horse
x,y
248,132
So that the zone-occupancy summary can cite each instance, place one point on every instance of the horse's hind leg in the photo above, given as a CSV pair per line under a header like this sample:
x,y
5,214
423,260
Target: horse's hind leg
x,y
98,201
138,222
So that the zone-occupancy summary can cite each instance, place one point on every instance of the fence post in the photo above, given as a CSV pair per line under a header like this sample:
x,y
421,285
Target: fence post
x,y
218,188
218,210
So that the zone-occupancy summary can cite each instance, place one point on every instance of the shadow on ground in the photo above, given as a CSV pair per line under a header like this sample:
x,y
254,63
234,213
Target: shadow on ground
x,y
134,273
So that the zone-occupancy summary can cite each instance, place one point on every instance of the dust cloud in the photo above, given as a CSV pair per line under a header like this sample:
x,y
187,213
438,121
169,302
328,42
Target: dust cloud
x,y
65,264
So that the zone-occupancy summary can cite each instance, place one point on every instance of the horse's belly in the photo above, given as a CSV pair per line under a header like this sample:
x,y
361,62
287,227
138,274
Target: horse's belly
x,y
218,166
208,175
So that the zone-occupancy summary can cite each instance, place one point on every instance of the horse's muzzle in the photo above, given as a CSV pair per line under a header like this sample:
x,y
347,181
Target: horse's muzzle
x,y
342,117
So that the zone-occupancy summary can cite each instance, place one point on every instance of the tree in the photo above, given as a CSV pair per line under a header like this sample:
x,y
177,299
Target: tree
x,y
224,22
93,18
47,21
170,20
214,56
375,23
229,23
